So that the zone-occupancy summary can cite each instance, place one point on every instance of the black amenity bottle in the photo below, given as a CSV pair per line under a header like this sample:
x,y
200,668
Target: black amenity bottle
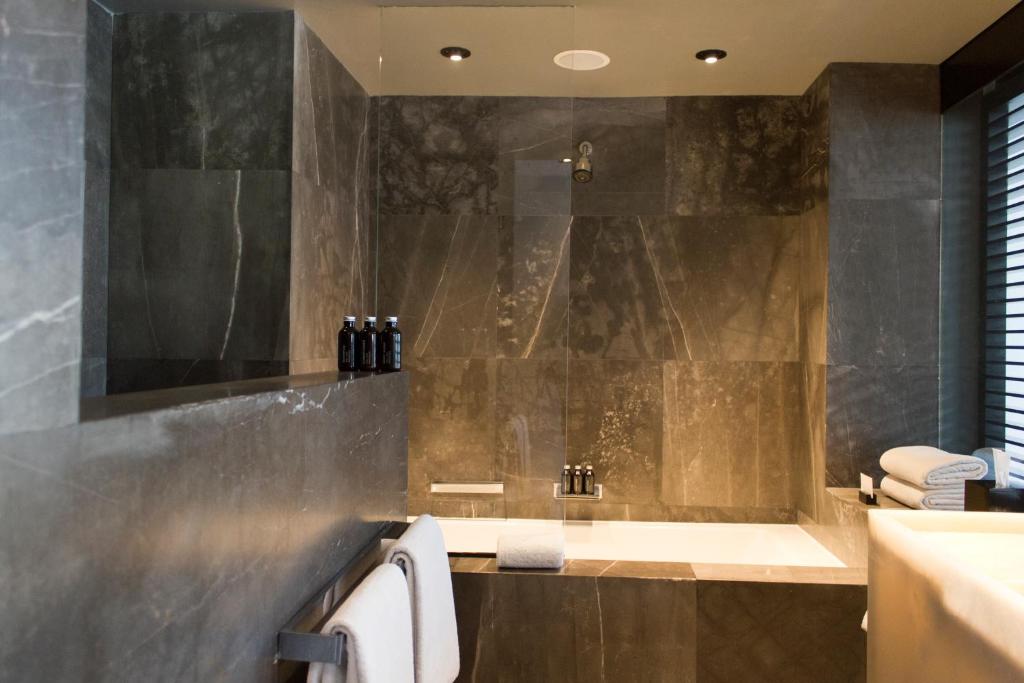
x,y
348,345
391,346
368,360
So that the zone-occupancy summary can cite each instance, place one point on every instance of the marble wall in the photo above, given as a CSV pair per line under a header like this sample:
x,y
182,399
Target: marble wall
x,y
42,68
331,204
199,221
641,322
173,544
883,274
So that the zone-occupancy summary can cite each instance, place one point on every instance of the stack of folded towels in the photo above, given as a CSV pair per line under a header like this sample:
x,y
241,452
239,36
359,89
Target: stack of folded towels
x,y
928,478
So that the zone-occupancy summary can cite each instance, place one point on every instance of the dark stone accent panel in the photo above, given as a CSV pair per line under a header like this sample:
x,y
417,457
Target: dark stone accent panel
x,y
451,424
733,155
754,631
202,90
885,131
730,430
438,274
42,69
533,287
550,627
684,288
439,155
530,417
628,134
873,409
178,542
615,424
534,135
99,37
199,265
883,295
814,275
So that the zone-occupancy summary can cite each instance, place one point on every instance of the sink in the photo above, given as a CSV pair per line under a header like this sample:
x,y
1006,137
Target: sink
x,y
945,596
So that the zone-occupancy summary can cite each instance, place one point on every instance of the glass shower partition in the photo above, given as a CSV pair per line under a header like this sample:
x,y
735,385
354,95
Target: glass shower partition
x,y
474,211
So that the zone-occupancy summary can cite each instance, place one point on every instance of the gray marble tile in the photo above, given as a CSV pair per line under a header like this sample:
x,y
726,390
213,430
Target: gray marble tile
x,y
533,287
202,90
883,282
873,409
885,126
332,268
198,265
438,274
729,432
42,67
815,143
153,532
615,424
616,304
534,135
686,288
807,466
728,286
628,134
733,155
331,118
759,631
530,415
556,627
451,423
813,228
439,155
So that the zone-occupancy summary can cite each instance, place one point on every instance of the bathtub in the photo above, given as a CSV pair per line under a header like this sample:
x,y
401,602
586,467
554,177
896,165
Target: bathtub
x,y
707,543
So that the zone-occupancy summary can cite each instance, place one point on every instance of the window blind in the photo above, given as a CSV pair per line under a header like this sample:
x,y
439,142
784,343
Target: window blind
x,y
1004,276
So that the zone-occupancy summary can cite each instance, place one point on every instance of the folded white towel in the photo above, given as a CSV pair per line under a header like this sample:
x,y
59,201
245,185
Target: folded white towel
x,y
948,498
931,468
545,550
421,552
377,625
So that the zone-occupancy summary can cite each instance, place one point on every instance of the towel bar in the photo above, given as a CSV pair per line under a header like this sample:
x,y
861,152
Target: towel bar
x,y
300,640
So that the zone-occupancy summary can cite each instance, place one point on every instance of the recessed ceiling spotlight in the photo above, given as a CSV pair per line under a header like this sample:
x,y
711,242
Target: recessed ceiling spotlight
x,y
456,54
582,60
711,56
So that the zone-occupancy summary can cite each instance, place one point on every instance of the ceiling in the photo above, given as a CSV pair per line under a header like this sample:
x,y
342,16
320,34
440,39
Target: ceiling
x,y
775,46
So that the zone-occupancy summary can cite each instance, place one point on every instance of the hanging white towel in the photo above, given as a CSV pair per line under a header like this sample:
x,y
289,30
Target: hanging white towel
x,y
377,625
949,498
422,553
930,468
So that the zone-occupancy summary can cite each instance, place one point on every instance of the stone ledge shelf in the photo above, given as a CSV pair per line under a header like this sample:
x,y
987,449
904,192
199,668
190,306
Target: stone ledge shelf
x,y
118,405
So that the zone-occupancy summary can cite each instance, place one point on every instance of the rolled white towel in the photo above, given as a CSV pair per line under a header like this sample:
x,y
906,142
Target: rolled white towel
x,y
948,498
930,468
531,551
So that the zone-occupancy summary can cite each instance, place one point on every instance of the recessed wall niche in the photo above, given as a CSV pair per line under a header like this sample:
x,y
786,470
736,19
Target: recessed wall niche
x,y
197,147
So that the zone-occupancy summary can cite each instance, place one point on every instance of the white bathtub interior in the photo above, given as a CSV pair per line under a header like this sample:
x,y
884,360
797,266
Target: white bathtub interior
x,y
710,543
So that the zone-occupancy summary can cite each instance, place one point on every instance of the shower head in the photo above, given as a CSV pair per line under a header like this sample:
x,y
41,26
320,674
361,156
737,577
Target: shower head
x,y
583,170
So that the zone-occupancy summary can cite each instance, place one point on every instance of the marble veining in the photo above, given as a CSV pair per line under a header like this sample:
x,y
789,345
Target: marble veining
x,y
42,68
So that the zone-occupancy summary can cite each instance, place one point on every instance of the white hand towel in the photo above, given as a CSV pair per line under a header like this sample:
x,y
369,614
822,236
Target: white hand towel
x,y
949,498
377,625
531,551
435,635
931,468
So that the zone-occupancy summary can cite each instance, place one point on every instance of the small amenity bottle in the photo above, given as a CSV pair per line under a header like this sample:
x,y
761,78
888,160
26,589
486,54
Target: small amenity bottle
x,y
391,345
588,480
577,480
566,481
348,345
368,361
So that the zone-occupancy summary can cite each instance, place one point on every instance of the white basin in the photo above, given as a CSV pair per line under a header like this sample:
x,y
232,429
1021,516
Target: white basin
x,y
945,596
